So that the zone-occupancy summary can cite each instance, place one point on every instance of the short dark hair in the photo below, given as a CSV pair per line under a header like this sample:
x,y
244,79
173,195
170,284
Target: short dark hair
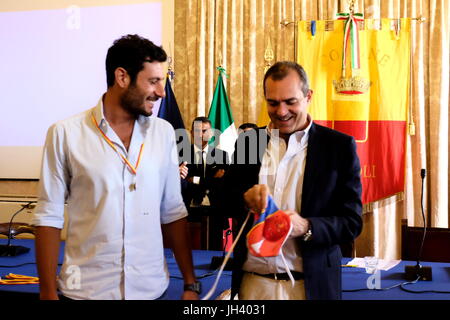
x,y
248,125
130,52
202,120
281,69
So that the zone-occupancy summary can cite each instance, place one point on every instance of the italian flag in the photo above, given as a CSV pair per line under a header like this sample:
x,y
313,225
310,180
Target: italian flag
x,y
221,117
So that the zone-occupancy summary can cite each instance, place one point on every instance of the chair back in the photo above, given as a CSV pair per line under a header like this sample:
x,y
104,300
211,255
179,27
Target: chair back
x,y
436,247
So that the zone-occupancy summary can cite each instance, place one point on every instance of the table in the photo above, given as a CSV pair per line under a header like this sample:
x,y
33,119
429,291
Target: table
x,y
352,278
356,278
25,264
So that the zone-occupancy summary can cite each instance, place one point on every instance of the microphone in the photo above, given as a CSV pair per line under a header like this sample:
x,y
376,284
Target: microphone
x,y
217,261
9,250
418,271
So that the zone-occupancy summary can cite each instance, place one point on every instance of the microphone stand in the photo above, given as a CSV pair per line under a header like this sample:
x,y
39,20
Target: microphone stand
x,y
419,272
9,250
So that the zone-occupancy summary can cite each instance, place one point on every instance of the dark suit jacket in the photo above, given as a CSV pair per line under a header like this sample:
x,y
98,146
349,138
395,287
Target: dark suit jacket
x,y
215,159
331,200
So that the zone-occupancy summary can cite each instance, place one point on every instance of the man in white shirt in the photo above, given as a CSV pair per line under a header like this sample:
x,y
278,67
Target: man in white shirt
x,y
312,173
117,170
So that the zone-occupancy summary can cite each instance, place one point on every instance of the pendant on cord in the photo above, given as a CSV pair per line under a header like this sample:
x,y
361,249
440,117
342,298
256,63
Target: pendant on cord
x,y
133,184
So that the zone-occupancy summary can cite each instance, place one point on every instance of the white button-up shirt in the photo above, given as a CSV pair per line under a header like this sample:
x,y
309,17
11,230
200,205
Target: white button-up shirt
x,y
201,160
204,151
114,247
282,170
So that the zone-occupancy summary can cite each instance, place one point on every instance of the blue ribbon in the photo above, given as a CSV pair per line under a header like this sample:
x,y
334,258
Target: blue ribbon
x,y
313,27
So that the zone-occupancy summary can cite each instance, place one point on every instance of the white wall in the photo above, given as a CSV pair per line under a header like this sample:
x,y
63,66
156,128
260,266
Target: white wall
x,y
52,58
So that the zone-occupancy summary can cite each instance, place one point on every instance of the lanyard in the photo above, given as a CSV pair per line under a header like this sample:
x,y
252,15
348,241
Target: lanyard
x,y
132,168
19,279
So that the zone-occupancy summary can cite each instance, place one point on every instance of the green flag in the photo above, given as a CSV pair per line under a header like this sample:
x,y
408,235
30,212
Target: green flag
x,y
221,117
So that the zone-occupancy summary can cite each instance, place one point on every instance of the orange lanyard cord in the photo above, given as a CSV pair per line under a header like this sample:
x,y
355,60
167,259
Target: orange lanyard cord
x,y
18,279
132,168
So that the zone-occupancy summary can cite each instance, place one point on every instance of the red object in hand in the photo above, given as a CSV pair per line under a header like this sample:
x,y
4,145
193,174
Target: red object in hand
x,y
269,232
276,226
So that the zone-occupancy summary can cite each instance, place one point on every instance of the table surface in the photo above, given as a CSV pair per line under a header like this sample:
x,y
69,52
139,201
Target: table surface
x,y
357,278
352,278
25,265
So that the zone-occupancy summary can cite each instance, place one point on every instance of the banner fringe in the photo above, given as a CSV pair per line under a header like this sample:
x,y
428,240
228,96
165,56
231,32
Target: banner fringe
x,y
369,207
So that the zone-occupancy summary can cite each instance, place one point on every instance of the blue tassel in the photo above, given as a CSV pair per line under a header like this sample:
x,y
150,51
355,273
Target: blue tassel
x,y
313,27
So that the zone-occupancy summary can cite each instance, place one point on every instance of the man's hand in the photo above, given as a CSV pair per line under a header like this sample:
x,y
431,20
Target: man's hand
x,y
190,295
299,225
183,170
219,173
256,198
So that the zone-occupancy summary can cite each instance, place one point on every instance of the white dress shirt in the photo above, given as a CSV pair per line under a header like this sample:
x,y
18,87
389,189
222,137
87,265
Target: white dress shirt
x,y
196,180
202,161
114,247
282,170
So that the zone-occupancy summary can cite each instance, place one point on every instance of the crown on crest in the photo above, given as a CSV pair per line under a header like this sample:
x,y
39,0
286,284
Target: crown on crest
x,y
353,85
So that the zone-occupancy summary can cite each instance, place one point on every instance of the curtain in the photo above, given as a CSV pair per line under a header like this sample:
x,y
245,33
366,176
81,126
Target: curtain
x,y
235,35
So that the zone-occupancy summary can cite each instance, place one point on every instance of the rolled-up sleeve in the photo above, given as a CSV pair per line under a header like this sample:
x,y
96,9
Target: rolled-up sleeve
x,y
172,205
54,181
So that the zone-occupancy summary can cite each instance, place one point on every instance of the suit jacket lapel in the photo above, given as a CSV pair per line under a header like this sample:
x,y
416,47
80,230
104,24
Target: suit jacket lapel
x,y
311,170
210,160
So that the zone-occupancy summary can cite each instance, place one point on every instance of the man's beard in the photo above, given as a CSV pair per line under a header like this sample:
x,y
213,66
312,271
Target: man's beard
x,y
133,101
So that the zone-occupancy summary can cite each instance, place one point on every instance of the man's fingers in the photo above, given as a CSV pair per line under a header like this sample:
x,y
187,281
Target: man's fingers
x,y
219,174
183,164
299,224
256,197
290,212
264,195
183,170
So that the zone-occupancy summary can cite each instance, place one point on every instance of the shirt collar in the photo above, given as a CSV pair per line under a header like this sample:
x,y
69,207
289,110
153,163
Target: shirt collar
x,y
197,149
98,113
144,121
301,136
99,116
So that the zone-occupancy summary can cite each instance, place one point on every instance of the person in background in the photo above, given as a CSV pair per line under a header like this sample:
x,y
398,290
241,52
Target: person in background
x,y
202,170
246,127
117,170
313,174
205,165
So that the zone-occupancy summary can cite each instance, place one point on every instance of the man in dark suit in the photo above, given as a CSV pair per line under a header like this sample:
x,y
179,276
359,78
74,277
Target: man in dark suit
x,y
202,174
313,174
